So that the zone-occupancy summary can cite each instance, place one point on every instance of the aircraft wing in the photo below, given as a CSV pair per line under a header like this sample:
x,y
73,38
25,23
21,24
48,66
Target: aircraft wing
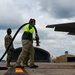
x,y
64,27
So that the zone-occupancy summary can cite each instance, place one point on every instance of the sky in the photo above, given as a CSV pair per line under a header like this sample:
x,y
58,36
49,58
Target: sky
x,y
14,13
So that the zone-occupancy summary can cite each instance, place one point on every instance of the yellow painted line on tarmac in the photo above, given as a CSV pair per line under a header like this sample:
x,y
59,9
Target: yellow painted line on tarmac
x,y
18,70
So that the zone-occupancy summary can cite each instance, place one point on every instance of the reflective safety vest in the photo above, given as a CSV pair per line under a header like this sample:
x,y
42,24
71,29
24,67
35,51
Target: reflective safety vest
x,y
28,32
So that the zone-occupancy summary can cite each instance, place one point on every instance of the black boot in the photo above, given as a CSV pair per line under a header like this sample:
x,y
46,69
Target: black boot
x,y
34,66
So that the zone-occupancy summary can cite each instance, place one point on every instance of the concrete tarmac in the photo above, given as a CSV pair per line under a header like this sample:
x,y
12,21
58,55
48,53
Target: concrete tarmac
x,y
46,69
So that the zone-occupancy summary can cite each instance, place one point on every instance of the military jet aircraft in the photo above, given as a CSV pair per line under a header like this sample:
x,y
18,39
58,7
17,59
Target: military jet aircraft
x,y
64,27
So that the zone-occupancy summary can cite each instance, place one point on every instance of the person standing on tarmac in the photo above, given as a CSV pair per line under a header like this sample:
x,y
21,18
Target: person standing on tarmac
x,y
7,40
27,46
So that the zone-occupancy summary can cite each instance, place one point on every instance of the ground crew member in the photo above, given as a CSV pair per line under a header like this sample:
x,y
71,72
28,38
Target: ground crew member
x,y
27,46
7,40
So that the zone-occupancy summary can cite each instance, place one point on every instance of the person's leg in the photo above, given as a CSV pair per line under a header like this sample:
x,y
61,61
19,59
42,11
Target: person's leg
x,y
31,55
25,62
23,54
32,52
9,58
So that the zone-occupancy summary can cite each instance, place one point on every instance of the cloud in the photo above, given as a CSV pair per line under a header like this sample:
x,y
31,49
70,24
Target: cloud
x,y
58,9
14,13
9,15
29,9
